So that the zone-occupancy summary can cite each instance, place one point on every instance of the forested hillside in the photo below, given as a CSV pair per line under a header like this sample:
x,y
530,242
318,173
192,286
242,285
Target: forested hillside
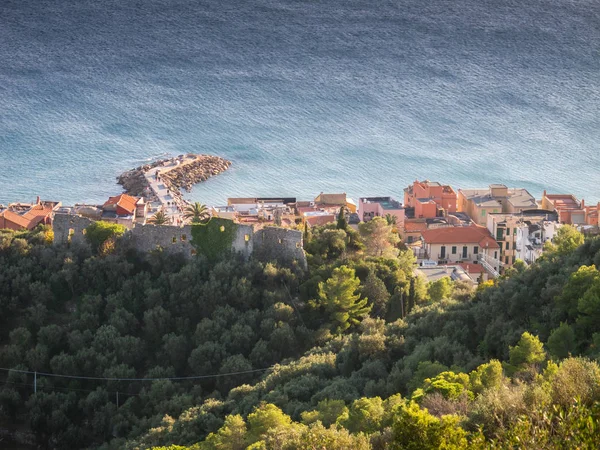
x,y
354,353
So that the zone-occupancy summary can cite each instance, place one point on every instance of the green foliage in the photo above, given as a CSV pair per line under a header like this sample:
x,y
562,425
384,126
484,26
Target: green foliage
x,y
440,289
375,290
231,436
414,428
100,233
338,298
265,418
214,238
449,384
365,415
380,240
342,223
529,350
487,376
561,342
137,316
567,239
196,212
160,218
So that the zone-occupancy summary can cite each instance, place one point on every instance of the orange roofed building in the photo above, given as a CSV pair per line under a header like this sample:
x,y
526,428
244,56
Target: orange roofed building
x,y
470,244
19,216
124,209
430,199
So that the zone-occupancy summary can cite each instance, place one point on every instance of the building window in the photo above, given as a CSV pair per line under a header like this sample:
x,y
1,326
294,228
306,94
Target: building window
x,y
514,245
464,252
280,241
515,231
297,244
507,260
443,252
475,250
247,237
454,249
514,259
193,251
507,231
508,246
222,228
496,255
410,239
183,237
174,239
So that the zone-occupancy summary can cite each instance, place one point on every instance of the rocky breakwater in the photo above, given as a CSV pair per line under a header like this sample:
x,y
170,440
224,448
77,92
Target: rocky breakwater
x,y
193,170
170,175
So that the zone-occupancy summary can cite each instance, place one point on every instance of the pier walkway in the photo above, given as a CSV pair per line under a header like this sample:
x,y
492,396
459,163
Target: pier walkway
x,y
170,205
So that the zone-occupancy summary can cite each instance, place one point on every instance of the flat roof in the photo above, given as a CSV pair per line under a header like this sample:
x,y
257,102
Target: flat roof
x,y
385,202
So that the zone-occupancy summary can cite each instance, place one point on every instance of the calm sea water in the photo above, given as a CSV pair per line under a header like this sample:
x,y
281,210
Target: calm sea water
x,y
303,96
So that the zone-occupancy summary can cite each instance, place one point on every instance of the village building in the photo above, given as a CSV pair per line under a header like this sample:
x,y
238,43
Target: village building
x,y
26,216
430,199
467,273
318,218
478,203
472,244
125,210
592,214
370,207
259,210
327,201
570,210
522,236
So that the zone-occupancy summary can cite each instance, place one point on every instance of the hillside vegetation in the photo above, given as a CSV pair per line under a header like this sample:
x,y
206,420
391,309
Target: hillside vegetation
x,y
355,353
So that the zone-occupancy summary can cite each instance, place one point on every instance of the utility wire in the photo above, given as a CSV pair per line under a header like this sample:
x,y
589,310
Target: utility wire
x,y
81,377
53,388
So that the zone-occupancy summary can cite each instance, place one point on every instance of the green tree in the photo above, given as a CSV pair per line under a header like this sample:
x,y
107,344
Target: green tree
x,y
374,289
588,307
379,238
561,342
101,232
365,415
160,218
231,436
574,289
567,239
342,223
415,429
196,212
528,351
338,298
391,219
440,289
264,418
486,376
327,412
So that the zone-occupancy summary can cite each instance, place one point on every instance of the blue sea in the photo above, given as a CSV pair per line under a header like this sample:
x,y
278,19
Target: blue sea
x,y
359,96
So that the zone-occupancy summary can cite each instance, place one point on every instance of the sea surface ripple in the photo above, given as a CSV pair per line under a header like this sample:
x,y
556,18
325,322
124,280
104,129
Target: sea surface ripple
x,y
303,96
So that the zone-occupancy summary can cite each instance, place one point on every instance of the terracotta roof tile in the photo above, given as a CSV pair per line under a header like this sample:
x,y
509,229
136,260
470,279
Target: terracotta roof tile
x,y
414,226
127,202
460,235
15,218
37,214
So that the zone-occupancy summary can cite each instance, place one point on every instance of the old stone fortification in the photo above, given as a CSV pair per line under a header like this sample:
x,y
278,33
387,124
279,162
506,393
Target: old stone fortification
x,y
267,244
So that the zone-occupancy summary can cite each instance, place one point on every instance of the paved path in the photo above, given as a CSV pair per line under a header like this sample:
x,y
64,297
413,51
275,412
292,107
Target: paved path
x,y
162,193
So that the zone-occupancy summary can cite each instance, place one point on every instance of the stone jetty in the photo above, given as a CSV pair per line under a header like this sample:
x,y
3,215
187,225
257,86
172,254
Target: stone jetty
x,y
162,181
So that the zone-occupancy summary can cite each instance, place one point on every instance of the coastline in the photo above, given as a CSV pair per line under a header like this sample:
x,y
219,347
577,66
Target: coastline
x,y
163,180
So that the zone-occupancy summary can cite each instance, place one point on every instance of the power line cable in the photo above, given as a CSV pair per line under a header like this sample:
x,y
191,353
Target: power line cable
x,y
82,377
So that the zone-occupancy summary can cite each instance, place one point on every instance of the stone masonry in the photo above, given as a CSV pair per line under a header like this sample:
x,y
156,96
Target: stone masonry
x,y
267,244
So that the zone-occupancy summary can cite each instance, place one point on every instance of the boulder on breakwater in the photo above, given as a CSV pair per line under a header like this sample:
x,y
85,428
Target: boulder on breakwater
x,y
181,172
